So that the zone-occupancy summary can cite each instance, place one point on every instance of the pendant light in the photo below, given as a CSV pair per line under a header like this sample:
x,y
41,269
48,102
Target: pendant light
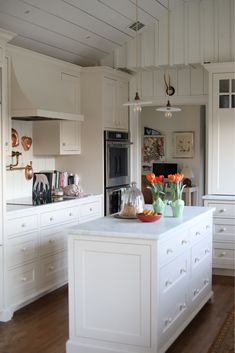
x,y
137,103
168,109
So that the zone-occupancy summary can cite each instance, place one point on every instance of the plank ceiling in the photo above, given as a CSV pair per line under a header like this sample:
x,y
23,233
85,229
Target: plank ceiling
x,y
77,31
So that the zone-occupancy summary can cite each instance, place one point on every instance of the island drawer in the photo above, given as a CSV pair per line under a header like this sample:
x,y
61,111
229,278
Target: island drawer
x,y
173,272
18,226
22,249
200,252
58,216
200,230
168,250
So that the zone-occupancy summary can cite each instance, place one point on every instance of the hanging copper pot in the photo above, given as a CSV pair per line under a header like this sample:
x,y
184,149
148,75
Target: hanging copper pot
x,y
28,171
26,142
14,138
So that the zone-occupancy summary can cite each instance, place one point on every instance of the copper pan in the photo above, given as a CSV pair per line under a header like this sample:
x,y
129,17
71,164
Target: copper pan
x,y
28,171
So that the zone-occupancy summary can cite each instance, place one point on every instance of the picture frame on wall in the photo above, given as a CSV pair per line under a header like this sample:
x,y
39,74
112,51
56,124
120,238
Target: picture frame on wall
x,y
183,144
153,148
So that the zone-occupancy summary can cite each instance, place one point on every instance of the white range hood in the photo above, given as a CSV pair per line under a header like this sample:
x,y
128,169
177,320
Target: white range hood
x,y
43,88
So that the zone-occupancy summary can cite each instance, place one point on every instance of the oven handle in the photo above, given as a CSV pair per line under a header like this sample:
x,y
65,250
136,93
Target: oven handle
x,y
119,144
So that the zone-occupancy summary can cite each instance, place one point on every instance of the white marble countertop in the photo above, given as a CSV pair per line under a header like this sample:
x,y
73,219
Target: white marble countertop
x,y
219,197
133,228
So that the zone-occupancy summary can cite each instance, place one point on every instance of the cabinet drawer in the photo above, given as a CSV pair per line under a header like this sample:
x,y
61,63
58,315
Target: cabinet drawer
x,y
54,239
53,270
173,272
223,258
224,232
21,284
170,249
201,252
89,211
22,249
58,216
223,210
200,230
18,226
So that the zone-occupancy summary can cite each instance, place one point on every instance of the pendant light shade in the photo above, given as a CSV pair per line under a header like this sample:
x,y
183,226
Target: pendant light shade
x,y
168,109
137,103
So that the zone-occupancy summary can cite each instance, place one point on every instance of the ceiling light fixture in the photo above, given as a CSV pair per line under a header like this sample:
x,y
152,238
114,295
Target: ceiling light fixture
x,y
137,103
170,91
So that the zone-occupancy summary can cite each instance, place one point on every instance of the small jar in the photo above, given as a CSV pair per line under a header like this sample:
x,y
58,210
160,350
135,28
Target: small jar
x,y
133,202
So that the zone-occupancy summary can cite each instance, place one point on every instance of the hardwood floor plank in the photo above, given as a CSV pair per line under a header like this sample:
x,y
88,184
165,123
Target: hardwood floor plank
x,y
42,327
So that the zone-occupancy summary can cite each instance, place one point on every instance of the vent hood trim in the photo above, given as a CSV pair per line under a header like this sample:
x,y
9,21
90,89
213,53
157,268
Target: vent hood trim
x,y
33,114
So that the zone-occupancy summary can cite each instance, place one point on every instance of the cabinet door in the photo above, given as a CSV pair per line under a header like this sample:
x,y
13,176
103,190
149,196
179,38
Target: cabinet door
x,y
109,102
70,137
223,142
122,97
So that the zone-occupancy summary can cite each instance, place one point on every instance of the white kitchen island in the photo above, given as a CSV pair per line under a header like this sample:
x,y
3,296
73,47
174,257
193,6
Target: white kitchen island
x,y
134,287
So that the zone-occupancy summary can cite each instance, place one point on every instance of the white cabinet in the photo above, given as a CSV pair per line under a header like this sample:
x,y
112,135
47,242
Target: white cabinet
x,y
36,249
223,234
136,294
221,142
56,138
115,93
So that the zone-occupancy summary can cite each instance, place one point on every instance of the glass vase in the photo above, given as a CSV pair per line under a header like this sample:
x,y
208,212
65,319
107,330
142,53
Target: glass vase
x,y
159,206
177,207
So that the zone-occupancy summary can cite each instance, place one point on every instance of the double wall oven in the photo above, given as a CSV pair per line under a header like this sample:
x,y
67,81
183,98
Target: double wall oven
x,y
116,169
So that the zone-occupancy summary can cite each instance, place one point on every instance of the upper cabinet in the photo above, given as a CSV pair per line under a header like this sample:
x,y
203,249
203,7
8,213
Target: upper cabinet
x,y
43,86
108,90
221,129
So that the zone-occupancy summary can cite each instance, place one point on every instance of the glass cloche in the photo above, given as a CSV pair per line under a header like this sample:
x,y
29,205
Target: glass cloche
x,y
133,202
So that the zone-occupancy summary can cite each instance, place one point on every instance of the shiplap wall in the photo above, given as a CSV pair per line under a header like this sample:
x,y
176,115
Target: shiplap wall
x,y
16,184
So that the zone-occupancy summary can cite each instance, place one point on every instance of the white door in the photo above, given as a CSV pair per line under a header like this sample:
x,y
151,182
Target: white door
x,y
223,151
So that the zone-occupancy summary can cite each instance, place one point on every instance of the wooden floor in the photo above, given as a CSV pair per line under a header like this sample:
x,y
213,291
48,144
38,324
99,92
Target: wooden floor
x,y
42,327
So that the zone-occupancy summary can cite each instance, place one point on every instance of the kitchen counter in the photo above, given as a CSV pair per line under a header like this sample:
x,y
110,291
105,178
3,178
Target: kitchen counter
x,y
219,197
133,286
133,228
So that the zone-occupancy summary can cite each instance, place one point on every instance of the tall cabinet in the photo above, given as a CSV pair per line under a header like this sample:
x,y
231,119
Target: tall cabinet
x,y
221,162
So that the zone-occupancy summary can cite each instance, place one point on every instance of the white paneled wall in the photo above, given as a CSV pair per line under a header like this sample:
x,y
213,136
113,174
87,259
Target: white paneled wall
x,y
16,184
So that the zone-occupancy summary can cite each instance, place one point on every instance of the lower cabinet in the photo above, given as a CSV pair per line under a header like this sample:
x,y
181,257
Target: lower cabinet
x,y
36,249
223,233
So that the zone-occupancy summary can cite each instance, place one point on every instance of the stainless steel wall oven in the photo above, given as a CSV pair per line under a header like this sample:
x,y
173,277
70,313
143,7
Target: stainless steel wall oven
x,y
116,168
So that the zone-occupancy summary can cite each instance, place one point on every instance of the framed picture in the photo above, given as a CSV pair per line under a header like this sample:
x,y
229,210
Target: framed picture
x,y
153,148
183,143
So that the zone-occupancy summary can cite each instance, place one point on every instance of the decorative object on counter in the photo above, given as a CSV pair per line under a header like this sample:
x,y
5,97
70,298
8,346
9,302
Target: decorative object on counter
x,y
157,189
26,142
177,187
28,168
148,216
137,102
183,144
188,175
42,185
14,138
153,148
133,202
72,190
149,131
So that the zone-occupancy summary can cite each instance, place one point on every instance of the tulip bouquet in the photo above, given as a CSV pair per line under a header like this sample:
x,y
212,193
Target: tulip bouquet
x,y
157,188
177,187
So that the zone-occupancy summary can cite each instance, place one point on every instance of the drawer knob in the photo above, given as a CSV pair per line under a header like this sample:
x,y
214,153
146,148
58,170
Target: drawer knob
x,y
168,321
169,251
223,253
182,306
197,234
23,279
51,268
51,219
183,270
91,209
184,242
207,251
196,291
223,229
222,210
23,249
196,259
70,214
23,225
207,226
51,241
63,144
206,281
168,283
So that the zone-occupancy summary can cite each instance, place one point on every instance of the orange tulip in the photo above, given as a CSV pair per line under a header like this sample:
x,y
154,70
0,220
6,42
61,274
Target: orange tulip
x,y
171,178
150,177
